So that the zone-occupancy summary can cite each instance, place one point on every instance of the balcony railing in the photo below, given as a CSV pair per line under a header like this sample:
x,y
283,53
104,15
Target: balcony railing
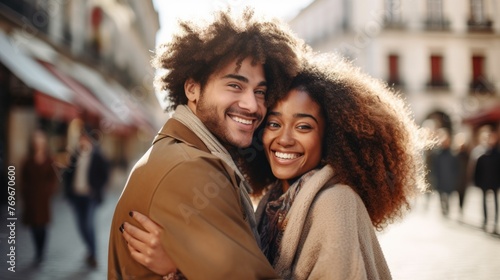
x,y
395,83
437,24
481,86
480,26
438,85
394,24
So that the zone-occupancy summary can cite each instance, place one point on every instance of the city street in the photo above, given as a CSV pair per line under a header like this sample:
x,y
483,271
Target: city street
x,y
422,246
65,253
426,246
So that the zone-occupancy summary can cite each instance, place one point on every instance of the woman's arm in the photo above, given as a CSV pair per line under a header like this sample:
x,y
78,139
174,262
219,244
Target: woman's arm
x,y
145,246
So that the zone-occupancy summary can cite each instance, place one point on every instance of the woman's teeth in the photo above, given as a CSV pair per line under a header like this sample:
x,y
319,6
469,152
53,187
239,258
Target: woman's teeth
x,y
286,155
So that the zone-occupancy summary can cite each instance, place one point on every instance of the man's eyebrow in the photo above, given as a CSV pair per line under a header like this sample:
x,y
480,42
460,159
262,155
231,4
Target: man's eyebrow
x,y
298,115
242,79
236,77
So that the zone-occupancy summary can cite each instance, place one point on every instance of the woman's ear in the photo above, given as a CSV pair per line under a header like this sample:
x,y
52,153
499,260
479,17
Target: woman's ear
x,y
192,91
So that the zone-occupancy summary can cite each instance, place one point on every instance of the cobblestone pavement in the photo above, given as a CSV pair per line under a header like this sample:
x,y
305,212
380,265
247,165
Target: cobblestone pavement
x,y
424,245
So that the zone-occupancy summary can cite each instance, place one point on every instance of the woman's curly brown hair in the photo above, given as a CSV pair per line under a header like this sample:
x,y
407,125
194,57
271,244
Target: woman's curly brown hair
x,y
371,139
199,50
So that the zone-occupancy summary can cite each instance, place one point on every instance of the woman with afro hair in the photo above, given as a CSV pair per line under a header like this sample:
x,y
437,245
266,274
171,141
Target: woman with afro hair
x,y
342,158
346,158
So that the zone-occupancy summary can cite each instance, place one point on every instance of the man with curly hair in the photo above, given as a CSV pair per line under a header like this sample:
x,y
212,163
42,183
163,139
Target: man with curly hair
x,y
219,77
346,159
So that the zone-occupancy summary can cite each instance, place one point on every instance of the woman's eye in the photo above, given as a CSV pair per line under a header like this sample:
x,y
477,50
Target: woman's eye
x,y
272,124
304,127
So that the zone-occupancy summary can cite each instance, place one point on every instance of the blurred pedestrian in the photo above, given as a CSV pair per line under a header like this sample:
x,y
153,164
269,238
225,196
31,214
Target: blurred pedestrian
x,y
39,183
487,175
463,155
445,166
84,182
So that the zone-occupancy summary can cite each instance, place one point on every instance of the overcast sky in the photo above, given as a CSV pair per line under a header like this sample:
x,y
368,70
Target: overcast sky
x,y
170,11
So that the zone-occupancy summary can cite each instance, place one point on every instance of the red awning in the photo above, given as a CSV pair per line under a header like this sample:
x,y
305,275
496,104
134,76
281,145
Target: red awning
x,y
490,115
88,103
113,96
52,108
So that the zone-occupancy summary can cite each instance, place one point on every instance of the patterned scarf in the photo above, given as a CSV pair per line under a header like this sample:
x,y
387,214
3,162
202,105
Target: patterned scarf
x,y
184,115
274,219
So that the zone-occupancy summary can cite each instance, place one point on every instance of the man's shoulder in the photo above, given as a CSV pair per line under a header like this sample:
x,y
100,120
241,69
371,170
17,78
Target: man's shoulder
x,y
175,162
169,153
171,168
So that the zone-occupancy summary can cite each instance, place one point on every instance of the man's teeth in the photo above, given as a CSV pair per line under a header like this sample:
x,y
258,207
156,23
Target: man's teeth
x,y
286,155
243,121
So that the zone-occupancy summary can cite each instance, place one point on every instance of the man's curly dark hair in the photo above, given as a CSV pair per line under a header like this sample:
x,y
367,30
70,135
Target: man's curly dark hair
x,y
371,139
199,50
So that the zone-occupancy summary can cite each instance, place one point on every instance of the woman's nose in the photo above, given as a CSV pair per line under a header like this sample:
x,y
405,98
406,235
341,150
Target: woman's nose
x,y
285,138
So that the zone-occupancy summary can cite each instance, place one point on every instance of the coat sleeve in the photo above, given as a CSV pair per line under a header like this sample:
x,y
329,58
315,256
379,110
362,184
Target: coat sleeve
x,y
205,233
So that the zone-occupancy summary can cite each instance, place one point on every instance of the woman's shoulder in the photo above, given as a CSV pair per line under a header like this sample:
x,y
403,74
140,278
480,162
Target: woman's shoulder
x,y
337,196
336,191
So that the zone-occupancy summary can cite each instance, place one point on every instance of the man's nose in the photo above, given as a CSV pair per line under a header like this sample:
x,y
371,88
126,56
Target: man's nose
x,y
249,101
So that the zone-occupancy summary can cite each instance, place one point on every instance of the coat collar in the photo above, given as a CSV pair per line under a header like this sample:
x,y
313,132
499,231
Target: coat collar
x,y
175,129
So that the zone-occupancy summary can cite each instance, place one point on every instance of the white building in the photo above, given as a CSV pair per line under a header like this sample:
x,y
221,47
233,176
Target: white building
x,y
87,60
443,55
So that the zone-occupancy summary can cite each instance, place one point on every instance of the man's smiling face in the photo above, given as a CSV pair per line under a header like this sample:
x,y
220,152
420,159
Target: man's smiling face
x,y
232,103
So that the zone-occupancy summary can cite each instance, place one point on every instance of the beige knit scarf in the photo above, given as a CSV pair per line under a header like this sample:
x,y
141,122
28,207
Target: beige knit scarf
x,y
184,115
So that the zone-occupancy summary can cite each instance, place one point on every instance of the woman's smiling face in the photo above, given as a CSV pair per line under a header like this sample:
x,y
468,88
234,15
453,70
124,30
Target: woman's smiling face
x,y
293,135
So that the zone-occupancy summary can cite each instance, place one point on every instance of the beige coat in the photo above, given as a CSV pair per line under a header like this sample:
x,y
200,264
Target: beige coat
x,y
194,196
328,234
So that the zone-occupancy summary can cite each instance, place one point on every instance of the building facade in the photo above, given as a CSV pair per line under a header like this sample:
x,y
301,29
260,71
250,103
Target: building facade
x,y
69,63
442,55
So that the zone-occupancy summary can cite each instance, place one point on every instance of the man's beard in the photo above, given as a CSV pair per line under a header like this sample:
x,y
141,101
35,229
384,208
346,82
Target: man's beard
x,y
208,114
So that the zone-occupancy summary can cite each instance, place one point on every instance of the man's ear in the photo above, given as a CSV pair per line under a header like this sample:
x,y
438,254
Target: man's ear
x,y
192,91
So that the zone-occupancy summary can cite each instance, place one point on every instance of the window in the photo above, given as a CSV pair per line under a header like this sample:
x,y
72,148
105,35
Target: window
x,y
393,62
435,10
435,17
436,68
392,14
437,78
477,67
393,11
95,43
479,82
346,14
478,20
477,11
